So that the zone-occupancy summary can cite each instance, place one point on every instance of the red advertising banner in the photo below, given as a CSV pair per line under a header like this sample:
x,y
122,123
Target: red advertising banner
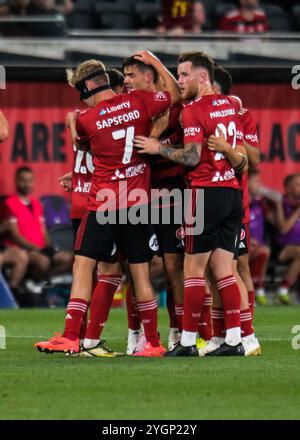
x,y
38,136
276,109
39,139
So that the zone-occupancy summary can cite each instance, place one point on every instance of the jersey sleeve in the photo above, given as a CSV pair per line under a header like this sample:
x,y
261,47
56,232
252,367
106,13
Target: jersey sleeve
x,y
155,102
84,137
250,130
193,130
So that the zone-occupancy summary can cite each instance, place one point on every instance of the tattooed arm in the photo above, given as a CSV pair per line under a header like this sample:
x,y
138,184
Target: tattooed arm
x,y
188,156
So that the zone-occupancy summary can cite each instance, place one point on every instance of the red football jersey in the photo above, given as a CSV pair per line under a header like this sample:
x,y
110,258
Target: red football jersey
x,y
207,116
250,135
165,173
81,182
235,22
110,128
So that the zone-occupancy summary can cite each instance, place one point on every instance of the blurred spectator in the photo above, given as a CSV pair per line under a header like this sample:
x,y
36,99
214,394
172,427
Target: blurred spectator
x,y
48,8
27,231
199,17
246,19
64,6
177,17
15,260
289,238
15,7
260,252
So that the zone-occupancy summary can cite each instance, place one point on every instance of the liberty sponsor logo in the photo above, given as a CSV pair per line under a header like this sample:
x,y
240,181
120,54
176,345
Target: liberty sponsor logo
x,y
115,108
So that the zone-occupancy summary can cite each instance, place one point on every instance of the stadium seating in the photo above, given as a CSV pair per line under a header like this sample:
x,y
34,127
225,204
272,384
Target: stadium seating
x,y
296,16
279,20
115,15
62,238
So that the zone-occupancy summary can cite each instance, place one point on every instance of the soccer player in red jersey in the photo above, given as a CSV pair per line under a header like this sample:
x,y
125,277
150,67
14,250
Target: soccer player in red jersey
x,y
109,127
140,75
79,183
223,84
214,172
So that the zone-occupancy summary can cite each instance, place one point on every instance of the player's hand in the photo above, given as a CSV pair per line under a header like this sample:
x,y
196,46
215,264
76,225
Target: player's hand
x,y
66,181
146,57
217,143
146,145
71,118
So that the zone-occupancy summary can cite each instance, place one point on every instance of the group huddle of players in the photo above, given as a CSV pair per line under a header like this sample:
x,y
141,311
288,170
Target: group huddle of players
x,y
156,132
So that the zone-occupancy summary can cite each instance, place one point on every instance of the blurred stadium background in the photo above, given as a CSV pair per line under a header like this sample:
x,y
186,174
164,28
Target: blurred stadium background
x,y
40,38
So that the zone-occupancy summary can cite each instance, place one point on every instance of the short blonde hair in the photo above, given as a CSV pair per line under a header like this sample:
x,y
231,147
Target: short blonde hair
x,y
82,70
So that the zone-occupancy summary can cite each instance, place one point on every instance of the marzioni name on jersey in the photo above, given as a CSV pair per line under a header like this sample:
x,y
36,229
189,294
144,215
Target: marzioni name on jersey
x,y
118,120
222,113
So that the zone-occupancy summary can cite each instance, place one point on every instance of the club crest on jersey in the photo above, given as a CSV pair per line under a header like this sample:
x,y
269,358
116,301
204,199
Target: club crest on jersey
x,y
243,234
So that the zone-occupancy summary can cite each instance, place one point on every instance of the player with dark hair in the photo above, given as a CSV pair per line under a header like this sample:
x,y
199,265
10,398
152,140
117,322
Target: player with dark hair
x,y
164,175
212,169
109,127
136,70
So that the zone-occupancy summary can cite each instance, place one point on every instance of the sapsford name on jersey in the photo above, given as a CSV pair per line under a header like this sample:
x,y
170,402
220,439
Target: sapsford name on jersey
x,y
119,119
131,431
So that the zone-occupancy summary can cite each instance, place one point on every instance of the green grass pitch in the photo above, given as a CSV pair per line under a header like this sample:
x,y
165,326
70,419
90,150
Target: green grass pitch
x,y
38,386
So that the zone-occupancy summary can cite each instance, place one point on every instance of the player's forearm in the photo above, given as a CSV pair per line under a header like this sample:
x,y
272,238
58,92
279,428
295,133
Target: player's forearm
x,y
253,155
170,82
237,160
190,157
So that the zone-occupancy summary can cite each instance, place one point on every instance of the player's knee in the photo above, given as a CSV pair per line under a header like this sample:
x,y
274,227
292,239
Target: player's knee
x,y
22,258
220,270
265,250
109,269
